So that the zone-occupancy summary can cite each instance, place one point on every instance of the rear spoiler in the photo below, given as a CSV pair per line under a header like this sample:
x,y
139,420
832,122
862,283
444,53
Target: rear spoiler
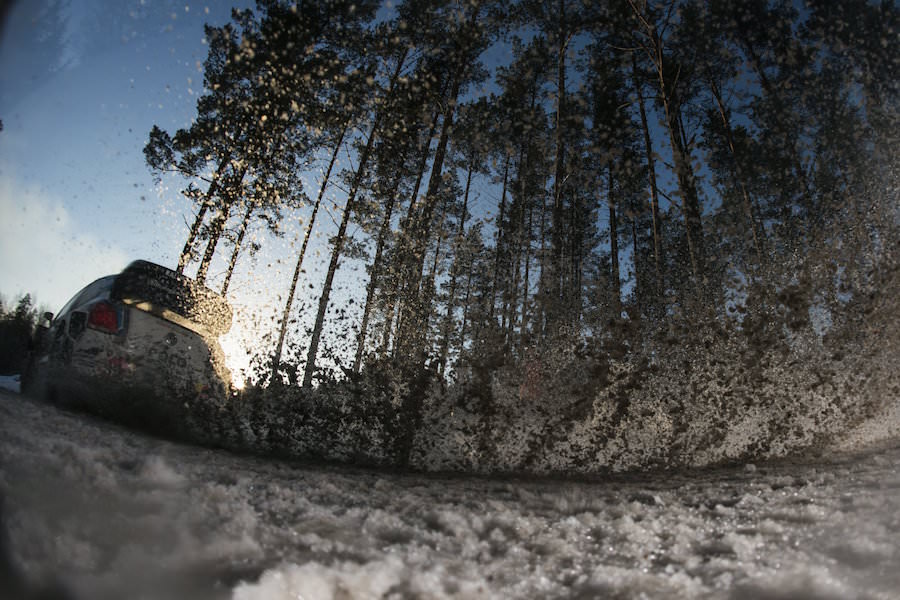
x,y
172,296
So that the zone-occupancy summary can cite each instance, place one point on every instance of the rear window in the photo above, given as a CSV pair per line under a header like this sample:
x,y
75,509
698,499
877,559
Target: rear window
x,y
90,292
161,290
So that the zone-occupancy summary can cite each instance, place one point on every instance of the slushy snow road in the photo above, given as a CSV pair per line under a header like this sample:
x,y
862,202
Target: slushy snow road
x,y
101,512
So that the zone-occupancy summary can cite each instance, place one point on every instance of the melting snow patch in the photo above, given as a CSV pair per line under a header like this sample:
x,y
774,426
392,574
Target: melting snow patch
x,y
618,582
812,583
120,516
157,471
313,581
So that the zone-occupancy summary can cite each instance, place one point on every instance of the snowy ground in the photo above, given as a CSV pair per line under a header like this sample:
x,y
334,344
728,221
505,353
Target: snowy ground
x,y
100,512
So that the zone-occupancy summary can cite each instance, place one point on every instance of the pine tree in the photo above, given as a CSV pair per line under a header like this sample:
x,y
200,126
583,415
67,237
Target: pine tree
x,y
652,24
526,150
467,36
399,61
16,328
472,144
258,120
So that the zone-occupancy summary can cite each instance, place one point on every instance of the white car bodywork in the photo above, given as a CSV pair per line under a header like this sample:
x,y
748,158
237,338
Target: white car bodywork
x,y
124,347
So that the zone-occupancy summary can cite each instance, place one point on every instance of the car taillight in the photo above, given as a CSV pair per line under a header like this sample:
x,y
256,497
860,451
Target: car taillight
x,y
105,317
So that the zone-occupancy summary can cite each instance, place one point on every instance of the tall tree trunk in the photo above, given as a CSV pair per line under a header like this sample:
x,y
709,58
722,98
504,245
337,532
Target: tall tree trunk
x,y
574,303
556,266
409,338
787,132
282,330
517,226
219,227
520,255
187,251
541,320
422,317
499,242
310,369
395,302
527,256
683,171
423,165
389,318
651,171
429,287
465,315
245,222
517,214
451,299
376,270
412,341
437,171
185,256
755,228
688,191
635,261
422,229
616,291
512,305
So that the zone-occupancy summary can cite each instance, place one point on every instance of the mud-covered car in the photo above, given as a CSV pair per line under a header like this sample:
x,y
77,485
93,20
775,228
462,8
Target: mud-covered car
x,y
141,344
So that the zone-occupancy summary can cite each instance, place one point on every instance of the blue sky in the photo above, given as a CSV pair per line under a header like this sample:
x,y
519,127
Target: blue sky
x,y
76,198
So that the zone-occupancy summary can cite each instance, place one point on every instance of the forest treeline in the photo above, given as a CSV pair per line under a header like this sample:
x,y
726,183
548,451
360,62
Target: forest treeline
x,y
16,328
661,166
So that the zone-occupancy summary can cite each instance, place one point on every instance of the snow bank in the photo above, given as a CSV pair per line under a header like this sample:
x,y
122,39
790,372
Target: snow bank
x,y
369,581
111,514
696,393
157,471
795,581
709,403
